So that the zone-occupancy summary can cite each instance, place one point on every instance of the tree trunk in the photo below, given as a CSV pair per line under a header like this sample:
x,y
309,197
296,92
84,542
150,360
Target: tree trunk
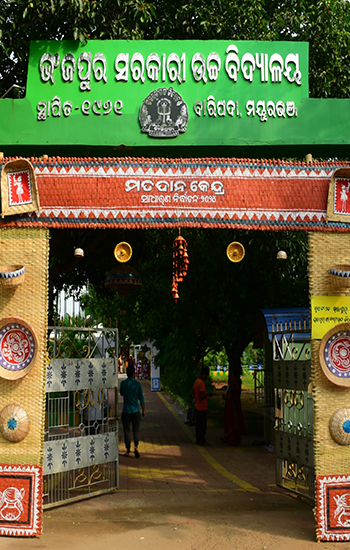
x,y
234,352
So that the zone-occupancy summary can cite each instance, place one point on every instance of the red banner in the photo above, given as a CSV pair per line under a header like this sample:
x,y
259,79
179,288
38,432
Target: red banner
x,y
179,192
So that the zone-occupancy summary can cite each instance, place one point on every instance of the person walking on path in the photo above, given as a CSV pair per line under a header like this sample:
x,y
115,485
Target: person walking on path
x,y
201,405
131,391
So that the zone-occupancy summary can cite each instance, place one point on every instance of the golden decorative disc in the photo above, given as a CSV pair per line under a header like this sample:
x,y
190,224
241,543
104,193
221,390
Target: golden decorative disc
x,y
123,252
235,252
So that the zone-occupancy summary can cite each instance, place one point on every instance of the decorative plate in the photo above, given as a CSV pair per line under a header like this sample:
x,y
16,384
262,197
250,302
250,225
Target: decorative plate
x,y
334,354
18,348
14,423
11,275
340,275
339,426
235,252
123,252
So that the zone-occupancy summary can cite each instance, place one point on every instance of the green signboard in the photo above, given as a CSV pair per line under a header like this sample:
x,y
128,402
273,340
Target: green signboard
x,y
170,93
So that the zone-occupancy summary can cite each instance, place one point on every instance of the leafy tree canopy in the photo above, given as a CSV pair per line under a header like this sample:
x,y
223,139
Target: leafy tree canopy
x,y
218,301
325,24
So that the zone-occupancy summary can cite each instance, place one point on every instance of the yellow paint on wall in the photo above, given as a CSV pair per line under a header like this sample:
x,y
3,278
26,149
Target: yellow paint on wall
x,y
327,312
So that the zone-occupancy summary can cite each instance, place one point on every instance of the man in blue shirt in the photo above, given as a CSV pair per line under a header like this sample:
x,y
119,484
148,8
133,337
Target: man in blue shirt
x,y
131,390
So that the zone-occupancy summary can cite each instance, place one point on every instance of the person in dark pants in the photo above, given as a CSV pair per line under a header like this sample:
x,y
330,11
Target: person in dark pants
x,y
131,390
201,405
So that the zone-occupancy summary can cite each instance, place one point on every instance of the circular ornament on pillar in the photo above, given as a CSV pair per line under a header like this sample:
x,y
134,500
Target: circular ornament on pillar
x,y
14,423
339,426
340,275
18,348
11,275
334,354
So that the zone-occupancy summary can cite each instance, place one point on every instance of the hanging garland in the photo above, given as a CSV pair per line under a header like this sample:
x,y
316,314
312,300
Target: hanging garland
x,y
180,264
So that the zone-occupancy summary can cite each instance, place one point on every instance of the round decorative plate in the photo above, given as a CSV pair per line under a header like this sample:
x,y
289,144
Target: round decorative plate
x,y
334,354
235,252
340,275
123,252
11,275
339,426
340,271
14,423
18,348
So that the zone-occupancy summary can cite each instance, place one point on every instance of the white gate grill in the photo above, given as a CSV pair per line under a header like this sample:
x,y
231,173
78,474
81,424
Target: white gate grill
x,y
81,427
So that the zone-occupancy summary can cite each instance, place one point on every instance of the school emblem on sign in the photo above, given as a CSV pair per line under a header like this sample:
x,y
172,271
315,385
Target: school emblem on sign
x,y
163,114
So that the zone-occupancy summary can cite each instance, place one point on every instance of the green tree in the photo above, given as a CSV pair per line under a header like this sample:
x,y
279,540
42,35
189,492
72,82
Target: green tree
x,y
325,24
218,301
22,21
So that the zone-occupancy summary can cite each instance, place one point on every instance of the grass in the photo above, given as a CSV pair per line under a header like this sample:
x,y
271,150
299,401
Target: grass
x,y
221,376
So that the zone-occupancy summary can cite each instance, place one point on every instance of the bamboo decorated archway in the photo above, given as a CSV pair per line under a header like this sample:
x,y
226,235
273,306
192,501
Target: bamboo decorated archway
x,y
143,193
149,96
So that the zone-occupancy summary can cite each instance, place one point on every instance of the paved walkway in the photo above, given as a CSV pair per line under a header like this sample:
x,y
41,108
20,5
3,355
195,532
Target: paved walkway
x,y
179,496
170,461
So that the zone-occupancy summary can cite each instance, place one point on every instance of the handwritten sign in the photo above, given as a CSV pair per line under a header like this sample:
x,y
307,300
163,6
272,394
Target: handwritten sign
x,y
327,312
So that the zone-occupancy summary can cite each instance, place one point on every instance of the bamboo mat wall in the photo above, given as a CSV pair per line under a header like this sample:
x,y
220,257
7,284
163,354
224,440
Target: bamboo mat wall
x,y
330,458
28,247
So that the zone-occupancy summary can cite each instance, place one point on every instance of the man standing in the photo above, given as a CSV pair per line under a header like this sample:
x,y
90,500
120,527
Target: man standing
x,y
131,390
201,405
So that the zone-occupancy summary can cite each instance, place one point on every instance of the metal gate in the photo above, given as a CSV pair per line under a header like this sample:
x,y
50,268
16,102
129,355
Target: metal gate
x,y
81,426
293,408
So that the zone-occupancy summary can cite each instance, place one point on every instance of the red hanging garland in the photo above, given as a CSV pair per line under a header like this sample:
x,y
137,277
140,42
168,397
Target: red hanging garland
x,y
180,264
